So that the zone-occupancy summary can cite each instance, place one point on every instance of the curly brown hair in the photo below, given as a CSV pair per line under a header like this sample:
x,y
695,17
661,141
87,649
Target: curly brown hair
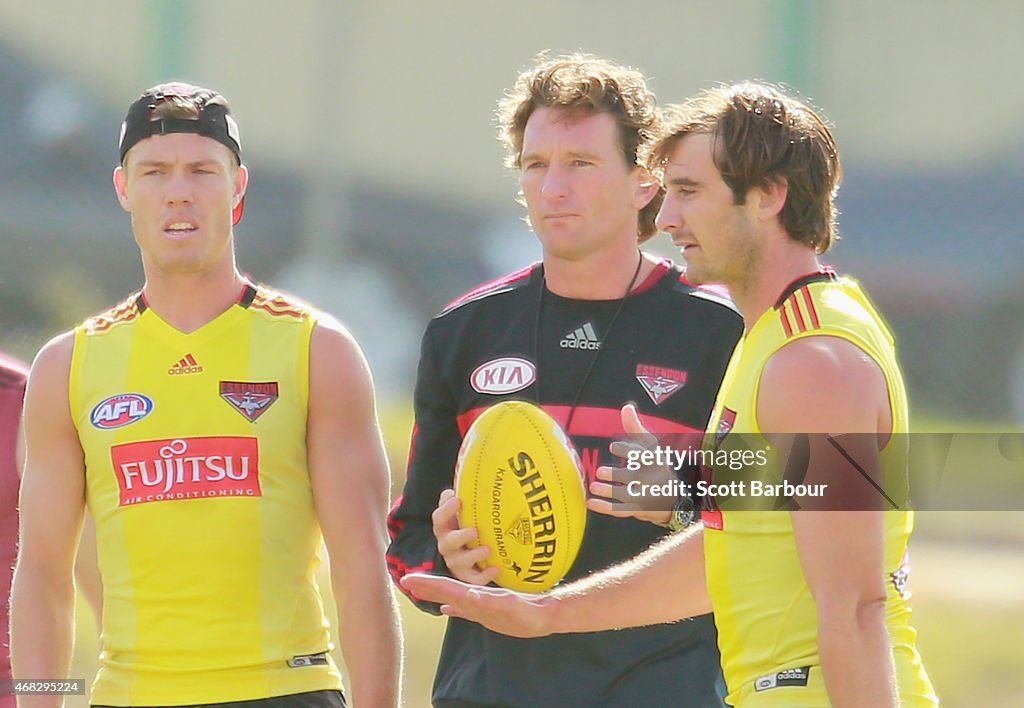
x,y
762,135
586,84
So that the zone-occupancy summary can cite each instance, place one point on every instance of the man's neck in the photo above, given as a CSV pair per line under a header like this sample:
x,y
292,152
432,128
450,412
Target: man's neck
x,y
190,300
599,277
774,271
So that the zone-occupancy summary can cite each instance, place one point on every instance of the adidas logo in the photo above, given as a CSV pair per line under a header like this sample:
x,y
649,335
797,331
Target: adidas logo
x,y
186,365
581,338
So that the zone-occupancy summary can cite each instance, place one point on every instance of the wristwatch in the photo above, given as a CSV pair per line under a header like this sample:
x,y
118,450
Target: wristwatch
x,y
683,514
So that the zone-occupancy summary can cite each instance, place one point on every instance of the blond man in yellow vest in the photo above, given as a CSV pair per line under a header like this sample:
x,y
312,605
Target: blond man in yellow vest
x,y
219,433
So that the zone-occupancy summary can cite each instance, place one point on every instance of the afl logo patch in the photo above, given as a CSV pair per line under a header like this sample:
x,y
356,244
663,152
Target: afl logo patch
x,y
506,375
120,410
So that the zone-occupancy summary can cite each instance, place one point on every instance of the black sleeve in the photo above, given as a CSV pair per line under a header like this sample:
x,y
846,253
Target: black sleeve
x,y
432,454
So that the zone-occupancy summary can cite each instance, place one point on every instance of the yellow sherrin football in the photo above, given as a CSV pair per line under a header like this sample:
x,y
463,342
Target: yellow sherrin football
x,y
522,487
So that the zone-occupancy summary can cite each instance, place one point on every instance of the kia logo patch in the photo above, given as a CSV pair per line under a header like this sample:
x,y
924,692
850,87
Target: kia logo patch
x,y
506,375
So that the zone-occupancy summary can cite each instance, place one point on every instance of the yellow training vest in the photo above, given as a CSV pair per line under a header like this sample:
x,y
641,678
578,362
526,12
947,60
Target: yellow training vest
x,y
764,611
195,453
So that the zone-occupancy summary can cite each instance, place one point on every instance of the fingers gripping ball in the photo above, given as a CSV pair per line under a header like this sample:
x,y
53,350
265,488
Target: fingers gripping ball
x,y
521,486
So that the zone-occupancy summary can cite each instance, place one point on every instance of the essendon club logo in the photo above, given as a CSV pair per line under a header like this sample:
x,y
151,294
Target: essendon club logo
x,y
250,398
187,468
725,424
659,382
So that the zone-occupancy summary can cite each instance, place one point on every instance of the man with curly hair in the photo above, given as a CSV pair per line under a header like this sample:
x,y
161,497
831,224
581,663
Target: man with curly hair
x,y
595,324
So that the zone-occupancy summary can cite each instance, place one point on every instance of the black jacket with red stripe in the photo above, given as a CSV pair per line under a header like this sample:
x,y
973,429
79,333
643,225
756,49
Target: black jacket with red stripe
x,y
666,351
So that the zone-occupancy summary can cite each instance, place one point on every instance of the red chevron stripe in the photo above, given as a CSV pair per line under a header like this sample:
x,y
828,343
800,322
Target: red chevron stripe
x,y
123,313
276,308
786,326
795,304
810,307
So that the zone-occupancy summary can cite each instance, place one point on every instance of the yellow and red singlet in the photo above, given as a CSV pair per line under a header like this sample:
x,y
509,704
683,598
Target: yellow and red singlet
x,y
764,611
208,541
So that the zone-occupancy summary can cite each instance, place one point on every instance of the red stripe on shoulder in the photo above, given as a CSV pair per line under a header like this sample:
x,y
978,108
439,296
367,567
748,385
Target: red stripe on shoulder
x,y
786,326
492,285
795,305
122,312
810,307
279,304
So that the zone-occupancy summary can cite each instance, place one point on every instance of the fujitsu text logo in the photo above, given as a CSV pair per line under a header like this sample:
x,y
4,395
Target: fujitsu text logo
x,y
187,468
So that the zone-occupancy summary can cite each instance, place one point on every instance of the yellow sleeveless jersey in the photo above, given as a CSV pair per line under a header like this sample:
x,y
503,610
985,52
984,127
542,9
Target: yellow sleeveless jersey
x,y
196,476
764,611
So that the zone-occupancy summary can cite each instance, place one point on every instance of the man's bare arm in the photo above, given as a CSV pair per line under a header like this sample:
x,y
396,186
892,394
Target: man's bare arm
x,y
52,504
349,473
828,386
87,570
663,584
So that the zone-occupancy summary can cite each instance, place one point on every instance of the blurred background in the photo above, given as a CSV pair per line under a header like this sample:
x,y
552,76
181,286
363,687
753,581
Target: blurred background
x,y
378,193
